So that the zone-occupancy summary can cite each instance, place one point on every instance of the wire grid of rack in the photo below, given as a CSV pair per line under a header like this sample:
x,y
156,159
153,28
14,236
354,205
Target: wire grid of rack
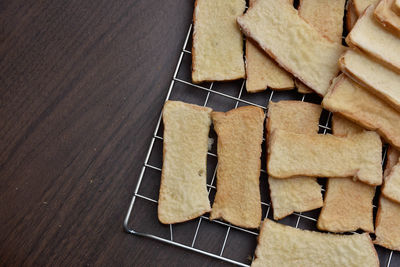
x,y
217,234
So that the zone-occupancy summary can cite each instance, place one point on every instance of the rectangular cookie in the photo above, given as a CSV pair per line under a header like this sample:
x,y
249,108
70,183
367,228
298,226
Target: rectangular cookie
x,y
391,187
347,203
217,51
387,224
281,245
327,17
302,50
388,216
294,116
183,192
342,127
301,193
262,71
380,80
362,107
387,17
240,135
292,154
361,5
371,37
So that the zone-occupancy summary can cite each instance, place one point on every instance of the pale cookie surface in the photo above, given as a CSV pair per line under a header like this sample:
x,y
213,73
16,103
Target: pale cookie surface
x,y
240,134
325,15
343,127
291,154
388,216
347,206
295,116
302,50
391,187
347,203
290,195
387,17
262,71
381,81
301,193
361,5
387,224
217,52
183,192
370,36
281,245
362,107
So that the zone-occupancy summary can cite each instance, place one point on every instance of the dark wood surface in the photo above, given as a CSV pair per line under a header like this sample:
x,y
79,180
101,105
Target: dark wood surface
x,y
81,88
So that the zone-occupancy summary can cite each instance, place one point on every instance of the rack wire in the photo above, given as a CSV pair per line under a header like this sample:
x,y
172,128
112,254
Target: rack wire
x,y
233,237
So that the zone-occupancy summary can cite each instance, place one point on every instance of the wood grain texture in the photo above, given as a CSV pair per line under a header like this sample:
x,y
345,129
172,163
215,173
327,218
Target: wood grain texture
x,y
81,88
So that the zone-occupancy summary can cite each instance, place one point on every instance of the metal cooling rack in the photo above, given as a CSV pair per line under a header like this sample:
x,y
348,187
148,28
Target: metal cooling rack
x,y
226,240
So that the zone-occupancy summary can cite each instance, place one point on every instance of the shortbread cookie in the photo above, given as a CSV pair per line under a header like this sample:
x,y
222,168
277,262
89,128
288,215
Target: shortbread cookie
x,y
342,127
391,187
292,154
387,224
325,15
281,245
263,72
388,216
240,135
183,192
217,52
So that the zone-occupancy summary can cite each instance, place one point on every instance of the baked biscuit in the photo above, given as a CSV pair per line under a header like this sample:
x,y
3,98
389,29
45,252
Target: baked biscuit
x,y
217,52
183,192
291,154
281,245
240,135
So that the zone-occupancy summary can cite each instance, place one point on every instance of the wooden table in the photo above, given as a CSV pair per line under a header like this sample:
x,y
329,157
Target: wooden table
x,y
82,84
